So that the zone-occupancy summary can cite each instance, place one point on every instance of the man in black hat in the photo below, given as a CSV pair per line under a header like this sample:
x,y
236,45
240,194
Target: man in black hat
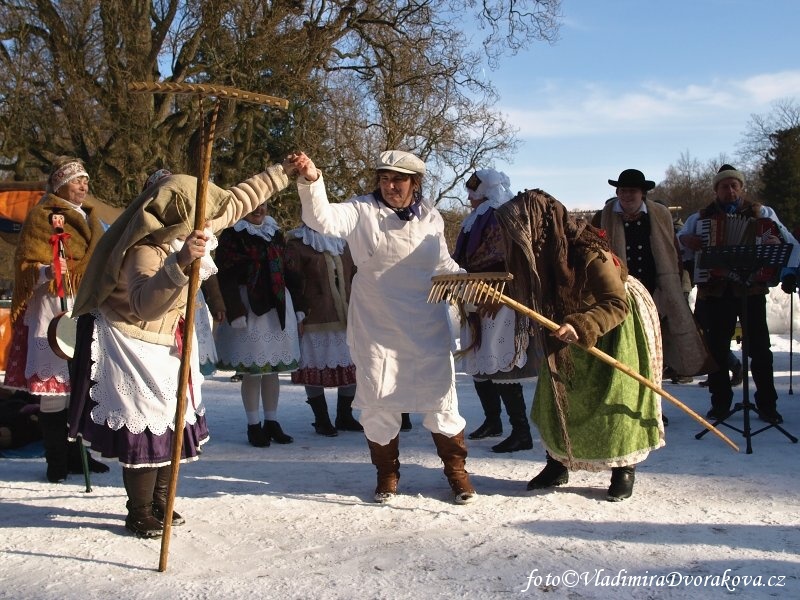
x,y
722,298
641,233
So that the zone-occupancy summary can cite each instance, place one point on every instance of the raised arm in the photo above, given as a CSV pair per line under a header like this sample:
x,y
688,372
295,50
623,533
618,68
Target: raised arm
x,y
318,213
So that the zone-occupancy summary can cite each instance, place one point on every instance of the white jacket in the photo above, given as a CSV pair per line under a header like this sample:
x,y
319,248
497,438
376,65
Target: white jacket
x,y
400,344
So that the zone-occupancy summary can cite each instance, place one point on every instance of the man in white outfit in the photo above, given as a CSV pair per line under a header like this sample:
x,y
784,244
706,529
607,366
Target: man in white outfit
x,y
401,345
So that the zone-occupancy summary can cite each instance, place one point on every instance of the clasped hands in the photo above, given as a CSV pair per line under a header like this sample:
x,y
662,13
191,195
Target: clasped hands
x,y
299,164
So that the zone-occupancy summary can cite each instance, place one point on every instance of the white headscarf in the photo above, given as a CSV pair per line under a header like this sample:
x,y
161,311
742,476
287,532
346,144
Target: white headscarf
x,y
495,187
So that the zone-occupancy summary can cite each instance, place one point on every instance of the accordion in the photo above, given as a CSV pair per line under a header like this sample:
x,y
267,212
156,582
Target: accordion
x,y
735,230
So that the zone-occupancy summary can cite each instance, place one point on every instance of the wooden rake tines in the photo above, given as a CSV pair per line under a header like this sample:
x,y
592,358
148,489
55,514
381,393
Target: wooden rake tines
x,y
203,89
470,288
488,288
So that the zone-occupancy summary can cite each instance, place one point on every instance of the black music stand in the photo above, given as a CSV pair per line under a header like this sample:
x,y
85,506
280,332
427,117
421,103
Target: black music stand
x,y
742,263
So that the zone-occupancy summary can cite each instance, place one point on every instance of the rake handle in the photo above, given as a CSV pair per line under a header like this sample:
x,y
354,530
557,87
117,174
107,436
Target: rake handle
x,y
552,326
186,350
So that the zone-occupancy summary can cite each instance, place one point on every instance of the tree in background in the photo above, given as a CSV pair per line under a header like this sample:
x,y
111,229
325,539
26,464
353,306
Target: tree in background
x,y
687,184
780,176
361,76
757,142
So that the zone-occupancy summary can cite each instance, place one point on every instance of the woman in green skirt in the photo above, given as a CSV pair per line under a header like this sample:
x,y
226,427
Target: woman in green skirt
x,y
590,415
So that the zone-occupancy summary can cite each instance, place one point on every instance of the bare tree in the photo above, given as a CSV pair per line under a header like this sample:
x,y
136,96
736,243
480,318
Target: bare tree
x,y
360,76
756,141
688,183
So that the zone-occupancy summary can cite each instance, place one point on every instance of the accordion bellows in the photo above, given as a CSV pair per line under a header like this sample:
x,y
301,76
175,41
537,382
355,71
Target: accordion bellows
x,y
735,231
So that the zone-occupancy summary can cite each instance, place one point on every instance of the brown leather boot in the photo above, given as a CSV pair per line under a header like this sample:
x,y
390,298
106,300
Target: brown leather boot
x,y
160,497
453,452
386,461
139,485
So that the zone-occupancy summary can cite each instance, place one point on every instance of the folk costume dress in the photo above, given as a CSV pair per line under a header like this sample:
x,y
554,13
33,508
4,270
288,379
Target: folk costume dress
x,y
31,363
130,332
251,278
322,271
490,347
401,345
204,330
590,415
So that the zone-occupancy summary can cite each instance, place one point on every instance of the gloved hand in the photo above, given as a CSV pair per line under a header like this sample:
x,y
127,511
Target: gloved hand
x,y
239,323
789,284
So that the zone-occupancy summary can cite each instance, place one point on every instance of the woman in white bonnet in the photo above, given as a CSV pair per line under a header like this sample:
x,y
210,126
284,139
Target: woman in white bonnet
x,y
494,339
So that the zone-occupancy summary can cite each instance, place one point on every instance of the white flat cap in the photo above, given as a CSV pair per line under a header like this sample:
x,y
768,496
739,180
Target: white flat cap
x,y
402,162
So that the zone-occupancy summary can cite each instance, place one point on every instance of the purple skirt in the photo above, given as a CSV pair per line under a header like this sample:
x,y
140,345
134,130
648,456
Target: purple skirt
x,y
132,449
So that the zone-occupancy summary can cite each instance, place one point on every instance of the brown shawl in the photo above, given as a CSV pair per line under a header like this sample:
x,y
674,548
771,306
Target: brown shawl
x,y
545,250
34,248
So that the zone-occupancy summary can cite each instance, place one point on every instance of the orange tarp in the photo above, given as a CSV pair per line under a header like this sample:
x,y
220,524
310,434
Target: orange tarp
x,y
5,336
15,204
17,198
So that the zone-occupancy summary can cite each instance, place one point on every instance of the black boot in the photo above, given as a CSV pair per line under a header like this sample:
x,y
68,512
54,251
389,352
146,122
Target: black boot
x,y
140,485
75,465
520,438
160,497
622,479
553,474
490,401
257,436
54,439
274,431
345,421
405,424
322,422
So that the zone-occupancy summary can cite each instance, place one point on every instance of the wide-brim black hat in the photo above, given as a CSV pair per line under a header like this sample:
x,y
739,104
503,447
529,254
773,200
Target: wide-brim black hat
x,y
632,178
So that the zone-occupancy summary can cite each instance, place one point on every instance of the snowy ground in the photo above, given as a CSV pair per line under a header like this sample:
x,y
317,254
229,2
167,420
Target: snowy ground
x,y
297,521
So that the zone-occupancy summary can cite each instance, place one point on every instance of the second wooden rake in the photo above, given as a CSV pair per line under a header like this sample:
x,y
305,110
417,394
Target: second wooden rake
x,y
478,288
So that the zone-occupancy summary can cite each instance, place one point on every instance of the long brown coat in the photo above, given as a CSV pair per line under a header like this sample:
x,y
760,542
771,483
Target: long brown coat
x,y
684,349
319,284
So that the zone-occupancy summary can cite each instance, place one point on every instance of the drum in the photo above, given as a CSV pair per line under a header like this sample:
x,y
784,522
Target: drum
x,y
61,334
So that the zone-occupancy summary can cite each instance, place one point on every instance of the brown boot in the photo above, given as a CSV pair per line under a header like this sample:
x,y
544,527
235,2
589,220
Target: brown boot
x,y
139,485
160,497
386,461
453,452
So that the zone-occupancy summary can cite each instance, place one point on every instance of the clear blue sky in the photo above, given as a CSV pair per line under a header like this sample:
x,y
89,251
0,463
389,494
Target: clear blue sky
x,y
636,83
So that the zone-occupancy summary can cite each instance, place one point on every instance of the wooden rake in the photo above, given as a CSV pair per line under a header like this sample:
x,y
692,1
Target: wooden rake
x,y
477,288
219,92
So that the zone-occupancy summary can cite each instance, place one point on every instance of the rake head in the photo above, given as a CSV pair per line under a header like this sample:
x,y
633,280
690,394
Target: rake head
x,y
474,288
218,91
